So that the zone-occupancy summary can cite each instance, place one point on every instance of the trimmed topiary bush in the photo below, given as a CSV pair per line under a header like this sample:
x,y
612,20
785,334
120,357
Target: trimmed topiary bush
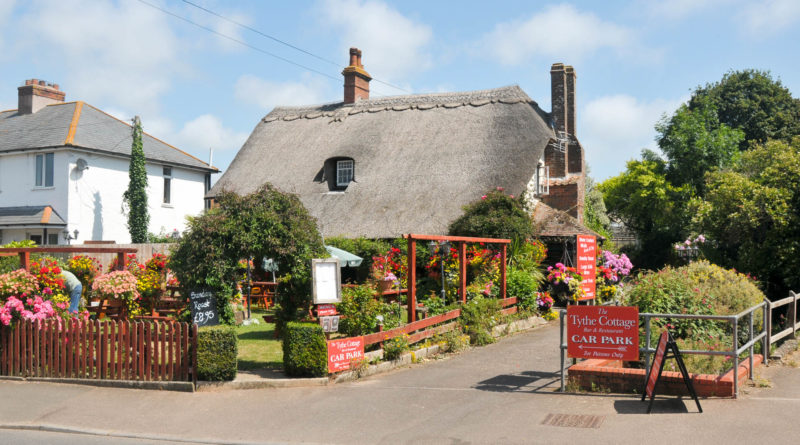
x,y
217,349
305,351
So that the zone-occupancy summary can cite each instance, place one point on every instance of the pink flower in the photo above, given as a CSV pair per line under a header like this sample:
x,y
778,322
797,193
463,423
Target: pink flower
x,y
483,197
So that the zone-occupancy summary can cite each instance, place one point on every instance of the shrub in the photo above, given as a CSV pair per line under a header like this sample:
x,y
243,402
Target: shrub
x,y
527,254
217,349
455,339
478,317
728,291
698,288
523,285
494,215
305,351
360,310
10,263
395,347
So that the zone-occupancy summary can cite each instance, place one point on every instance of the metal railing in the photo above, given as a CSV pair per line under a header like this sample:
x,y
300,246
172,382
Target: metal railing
x,y
735,352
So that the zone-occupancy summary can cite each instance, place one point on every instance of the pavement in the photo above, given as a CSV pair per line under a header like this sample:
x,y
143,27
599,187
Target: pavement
x,y
501,393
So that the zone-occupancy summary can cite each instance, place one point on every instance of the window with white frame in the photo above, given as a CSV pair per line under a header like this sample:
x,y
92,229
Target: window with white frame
x,y
44,169
167,184
344,172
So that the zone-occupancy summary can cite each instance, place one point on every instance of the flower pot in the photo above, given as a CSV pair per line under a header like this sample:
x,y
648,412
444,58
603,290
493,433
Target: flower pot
x,y
384,285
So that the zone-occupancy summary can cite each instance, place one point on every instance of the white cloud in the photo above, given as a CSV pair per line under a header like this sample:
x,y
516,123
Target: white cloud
x,y
560,31
121,53
767,17
267,94
207,131
393,45
614,129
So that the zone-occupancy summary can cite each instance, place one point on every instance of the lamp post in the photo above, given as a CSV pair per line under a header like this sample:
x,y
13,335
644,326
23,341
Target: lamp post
x,y
68,236
442,248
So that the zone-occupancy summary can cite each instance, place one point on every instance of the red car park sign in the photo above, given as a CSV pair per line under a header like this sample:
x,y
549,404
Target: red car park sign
x,y
342,353
604,332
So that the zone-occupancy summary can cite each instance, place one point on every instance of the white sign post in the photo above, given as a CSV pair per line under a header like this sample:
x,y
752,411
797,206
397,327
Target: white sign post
x,y
327,279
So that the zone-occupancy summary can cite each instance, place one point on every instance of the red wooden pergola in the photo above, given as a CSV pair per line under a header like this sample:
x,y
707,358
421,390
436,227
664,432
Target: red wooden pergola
x,y
461,246
25,253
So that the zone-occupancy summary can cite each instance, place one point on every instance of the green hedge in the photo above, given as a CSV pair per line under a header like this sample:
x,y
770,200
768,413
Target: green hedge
x,y
217,349
305,351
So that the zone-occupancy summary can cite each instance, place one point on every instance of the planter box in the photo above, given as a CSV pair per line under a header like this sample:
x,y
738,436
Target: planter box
x,y
611,375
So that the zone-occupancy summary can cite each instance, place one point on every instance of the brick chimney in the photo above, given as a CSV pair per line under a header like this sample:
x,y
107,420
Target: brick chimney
x,y
562,96
564,156
36,94
356,80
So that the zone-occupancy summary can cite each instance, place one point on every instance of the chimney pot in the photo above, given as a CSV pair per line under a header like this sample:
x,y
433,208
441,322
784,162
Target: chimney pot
x,y
356,80
36,94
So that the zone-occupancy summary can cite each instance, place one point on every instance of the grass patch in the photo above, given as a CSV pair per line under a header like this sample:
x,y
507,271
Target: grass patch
x,y
258,347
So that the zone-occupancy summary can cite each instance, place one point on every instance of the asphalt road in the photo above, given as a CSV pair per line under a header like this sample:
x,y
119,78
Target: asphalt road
x,y
501,393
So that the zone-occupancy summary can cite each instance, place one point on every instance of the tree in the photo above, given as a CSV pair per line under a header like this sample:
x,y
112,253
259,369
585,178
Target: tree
x,y
136,196
643,198
754,102
595,213
695,142
752,214
494,215
266,223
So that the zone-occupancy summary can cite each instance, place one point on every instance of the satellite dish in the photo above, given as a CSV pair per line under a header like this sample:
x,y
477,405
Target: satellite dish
x,y
81,164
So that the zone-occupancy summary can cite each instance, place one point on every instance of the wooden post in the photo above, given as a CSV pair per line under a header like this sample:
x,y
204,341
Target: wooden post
x,y
121,258
462,271
503,272
412,279
25,260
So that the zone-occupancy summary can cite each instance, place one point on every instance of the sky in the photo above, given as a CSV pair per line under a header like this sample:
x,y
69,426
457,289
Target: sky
x,y
200,81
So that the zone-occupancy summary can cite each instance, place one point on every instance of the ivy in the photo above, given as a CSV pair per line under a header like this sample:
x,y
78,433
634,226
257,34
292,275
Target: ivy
x,y
136,196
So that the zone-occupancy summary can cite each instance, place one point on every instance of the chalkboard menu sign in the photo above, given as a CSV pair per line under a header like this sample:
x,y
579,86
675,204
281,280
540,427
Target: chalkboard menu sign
x,y
203,305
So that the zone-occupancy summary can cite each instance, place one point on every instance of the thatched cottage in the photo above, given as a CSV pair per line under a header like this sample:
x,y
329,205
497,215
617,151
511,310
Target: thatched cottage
x,y
386,166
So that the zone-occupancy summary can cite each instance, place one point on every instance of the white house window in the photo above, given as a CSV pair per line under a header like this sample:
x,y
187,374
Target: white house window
x,y
344,172
44,170
167,184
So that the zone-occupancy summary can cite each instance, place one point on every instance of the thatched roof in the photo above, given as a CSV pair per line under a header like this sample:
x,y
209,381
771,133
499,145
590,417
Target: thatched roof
x,y
418,159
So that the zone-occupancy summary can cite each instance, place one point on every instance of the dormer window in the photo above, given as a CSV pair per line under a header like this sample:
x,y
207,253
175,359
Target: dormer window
x,y
338,172
344,172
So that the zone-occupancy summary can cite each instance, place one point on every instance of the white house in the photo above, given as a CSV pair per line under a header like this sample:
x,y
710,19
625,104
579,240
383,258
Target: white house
x,y
64,169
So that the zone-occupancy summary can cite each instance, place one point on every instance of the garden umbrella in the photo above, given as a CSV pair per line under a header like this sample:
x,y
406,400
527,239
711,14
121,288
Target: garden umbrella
x,y
346,258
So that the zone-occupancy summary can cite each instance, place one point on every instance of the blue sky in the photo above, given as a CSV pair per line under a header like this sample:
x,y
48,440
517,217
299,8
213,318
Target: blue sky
x,y
635,60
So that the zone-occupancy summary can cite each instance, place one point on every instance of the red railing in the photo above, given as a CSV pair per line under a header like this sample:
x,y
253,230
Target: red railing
x,y
112,350
415,326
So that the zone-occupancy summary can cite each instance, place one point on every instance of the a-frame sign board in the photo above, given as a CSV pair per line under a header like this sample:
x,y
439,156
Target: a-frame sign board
x,y
665,344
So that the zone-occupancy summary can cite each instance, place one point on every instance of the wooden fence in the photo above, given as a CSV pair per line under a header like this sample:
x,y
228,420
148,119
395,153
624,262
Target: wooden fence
x,y
115,350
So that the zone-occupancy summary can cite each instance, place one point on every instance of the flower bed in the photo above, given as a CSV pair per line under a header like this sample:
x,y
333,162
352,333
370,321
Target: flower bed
x,y
609,374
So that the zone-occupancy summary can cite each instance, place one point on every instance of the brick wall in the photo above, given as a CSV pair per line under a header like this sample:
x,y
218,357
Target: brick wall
x,y
610,375
567,198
